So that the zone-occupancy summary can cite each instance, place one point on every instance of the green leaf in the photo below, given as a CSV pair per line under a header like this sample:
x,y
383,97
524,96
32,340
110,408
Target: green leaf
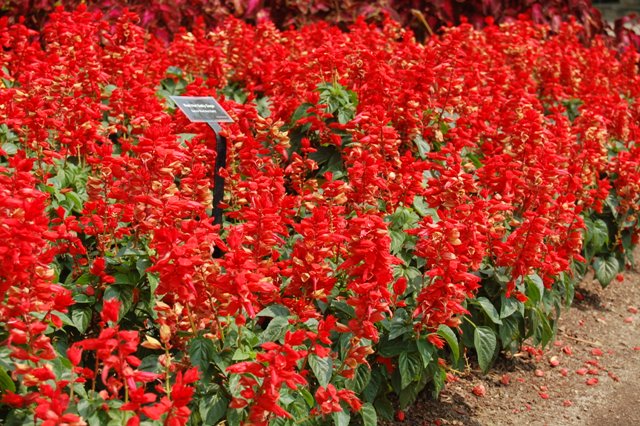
x,y
118,417
86,408
126,277
543,332
488,309
344,307
360,380
409,394
410,365
212,408
371,390
173,70
397,240
301,111
422,145
404,218
81,318
384,407
233,417
508,306
597,234
64,318
426,350
274,311
474,159
484,340
606,269
369,416
5,381
142,264
399,324
322,368
306,395
75,200
422,208
439,376
445,332
328,158
341,418
276,330
201,351
149,363
391,348
344,116
508,331
241,354
535,288
9,148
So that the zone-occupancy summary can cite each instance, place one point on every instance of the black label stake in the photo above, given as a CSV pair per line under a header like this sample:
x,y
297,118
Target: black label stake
x,y
208,110
218,181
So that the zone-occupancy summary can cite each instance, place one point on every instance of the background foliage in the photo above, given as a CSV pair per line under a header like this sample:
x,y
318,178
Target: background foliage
x,y
165,17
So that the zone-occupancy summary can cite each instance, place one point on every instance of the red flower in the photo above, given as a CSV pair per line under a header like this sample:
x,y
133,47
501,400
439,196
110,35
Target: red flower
x,y
110,310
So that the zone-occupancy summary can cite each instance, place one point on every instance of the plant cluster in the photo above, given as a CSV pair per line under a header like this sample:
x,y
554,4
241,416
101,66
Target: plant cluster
x,y
393,211
165,17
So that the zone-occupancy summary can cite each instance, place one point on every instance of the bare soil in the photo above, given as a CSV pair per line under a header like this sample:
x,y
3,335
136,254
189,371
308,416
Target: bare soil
x,y
596,380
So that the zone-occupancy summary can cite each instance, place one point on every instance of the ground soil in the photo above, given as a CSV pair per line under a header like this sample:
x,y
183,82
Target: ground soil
x,y
598,338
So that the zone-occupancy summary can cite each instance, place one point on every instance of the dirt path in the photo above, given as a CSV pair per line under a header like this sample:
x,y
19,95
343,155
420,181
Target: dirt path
x,y
596,380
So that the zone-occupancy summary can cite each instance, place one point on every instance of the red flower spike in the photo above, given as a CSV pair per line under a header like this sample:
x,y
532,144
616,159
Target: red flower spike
x,y
436,340
110,310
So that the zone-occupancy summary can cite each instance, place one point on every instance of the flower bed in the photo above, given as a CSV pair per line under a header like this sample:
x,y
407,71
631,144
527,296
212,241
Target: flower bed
x,y
391,210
